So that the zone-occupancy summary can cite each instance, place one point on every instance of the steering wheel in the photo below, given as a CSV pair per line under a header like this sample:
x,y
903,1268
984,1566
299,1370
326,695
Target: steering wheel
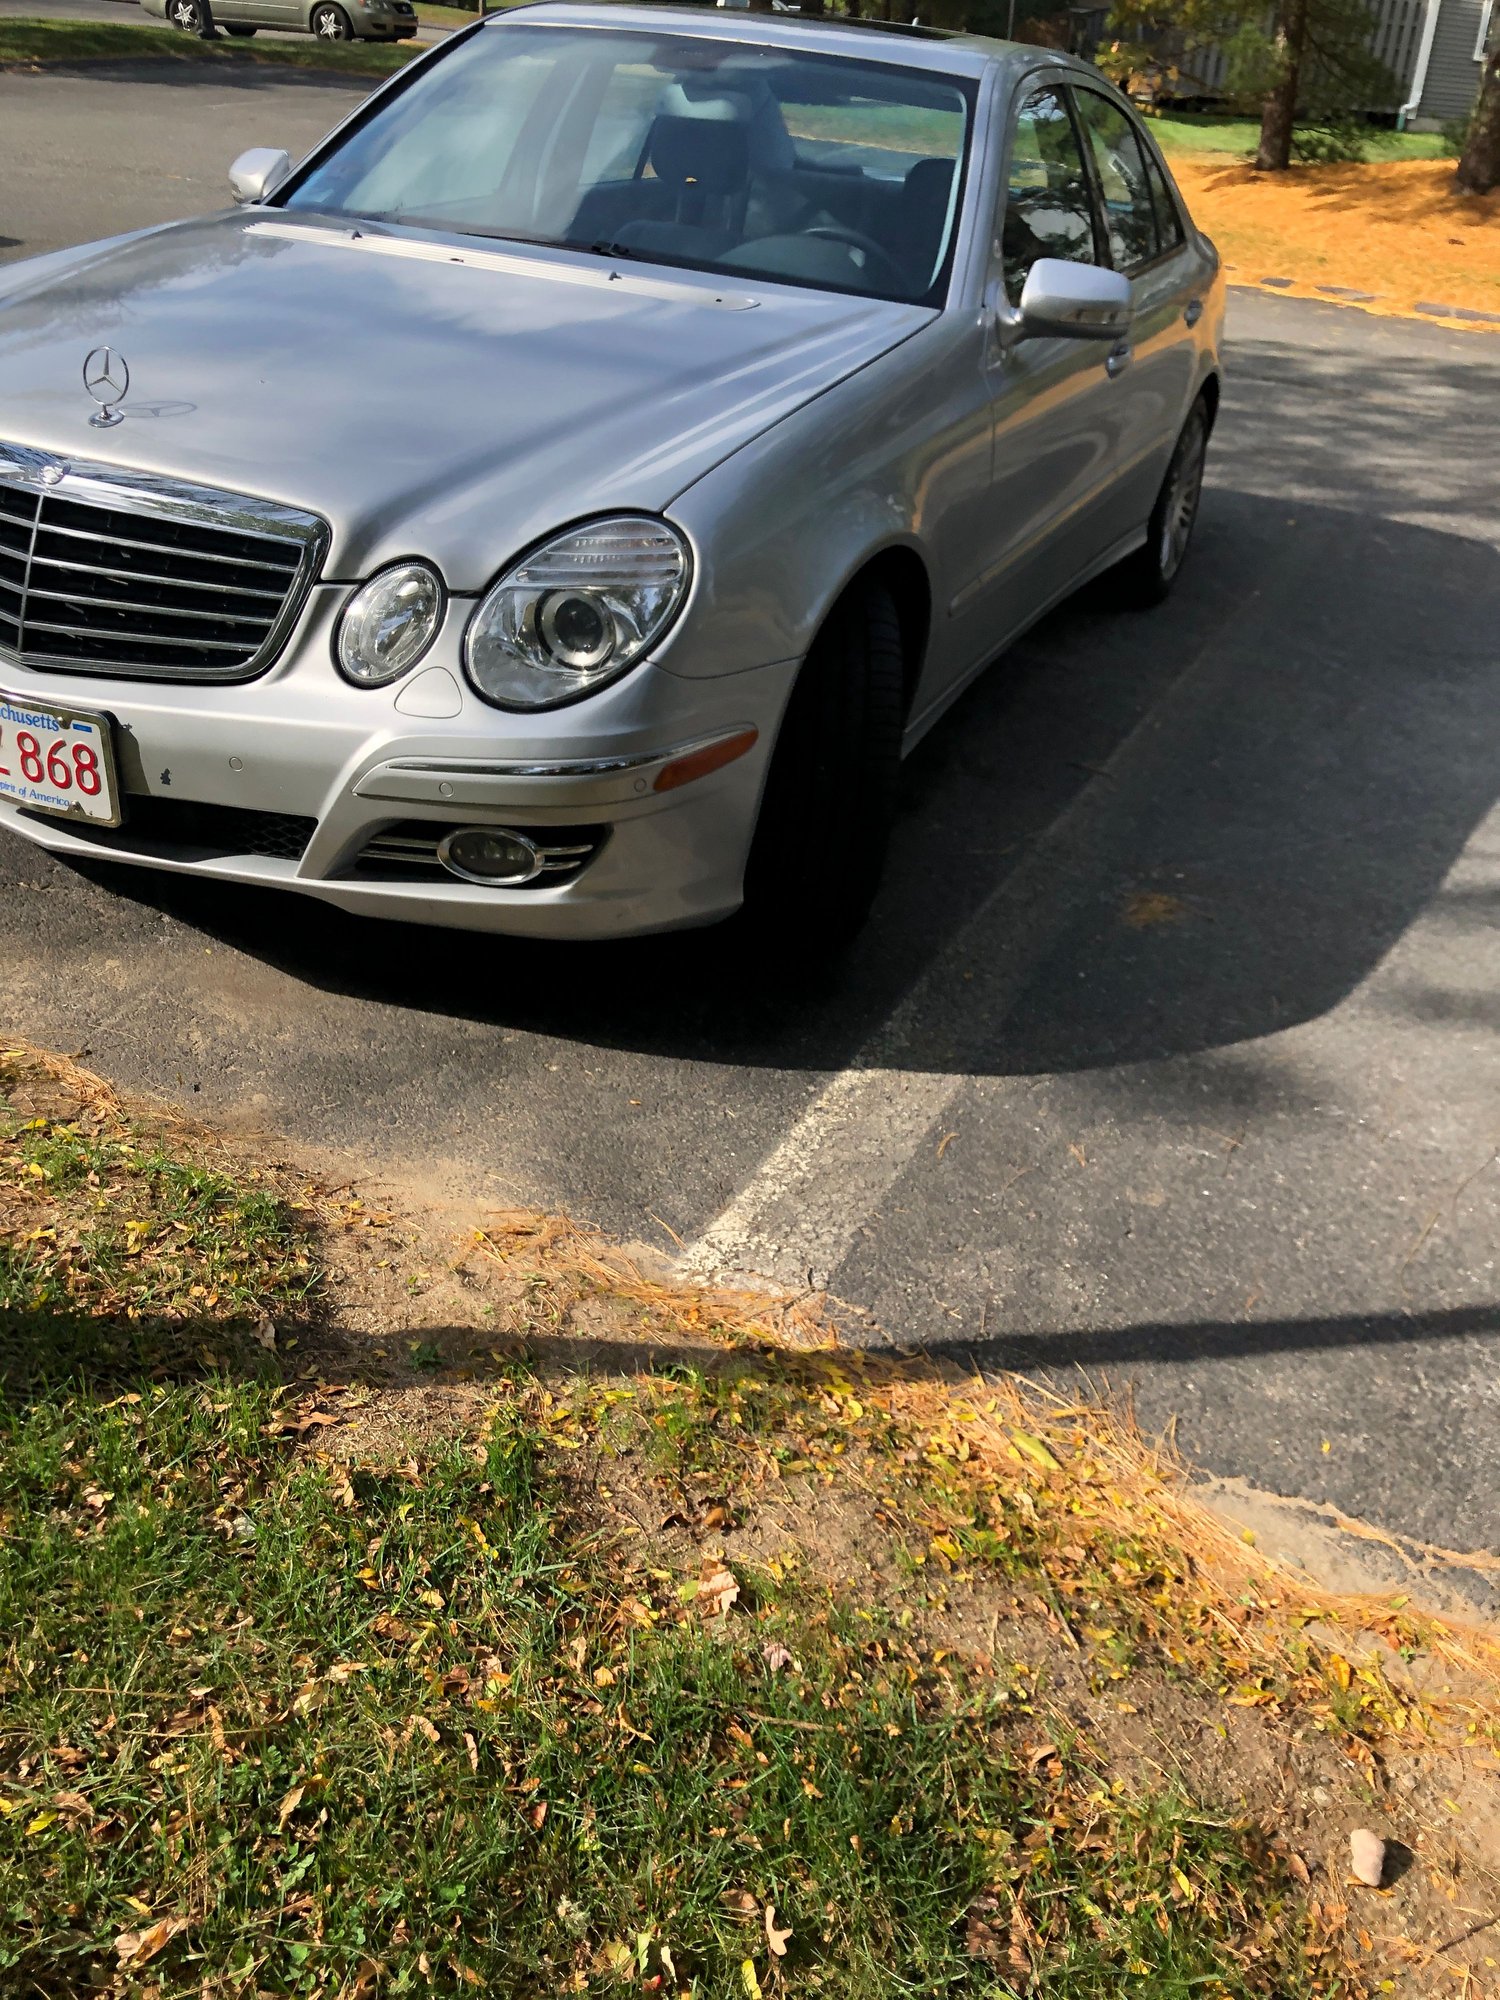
x,y
886,274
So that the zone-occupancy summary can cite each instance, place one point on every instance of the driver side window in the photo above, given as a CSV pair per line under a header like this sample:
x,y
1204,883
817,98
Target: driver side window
x,y
1048,206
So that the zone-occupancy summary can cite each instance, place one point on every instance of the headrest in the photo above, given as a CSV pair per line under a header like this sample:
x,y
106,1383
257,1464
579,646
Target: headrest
x,y
710,151
930,181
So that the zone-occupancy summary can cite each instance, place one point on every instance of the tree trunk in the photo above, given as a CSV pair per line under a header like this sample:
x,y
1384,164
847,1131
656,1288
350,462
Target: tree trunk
x,y
1479,167
1279,111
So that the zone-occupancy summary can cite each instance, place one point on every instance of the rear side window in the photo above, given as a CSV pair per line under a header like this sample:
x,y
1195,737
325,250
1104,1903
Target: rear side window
x,y
1120,163
1048,208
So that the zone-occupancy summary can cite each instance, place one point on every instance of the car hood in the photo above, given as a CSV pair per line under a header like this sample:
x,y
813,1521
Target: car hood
x,y
427,396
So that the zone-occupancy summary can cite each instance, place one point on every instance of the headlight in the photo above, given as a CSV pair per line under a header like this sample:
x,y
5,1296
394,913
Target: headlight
x,y
576,612
388,624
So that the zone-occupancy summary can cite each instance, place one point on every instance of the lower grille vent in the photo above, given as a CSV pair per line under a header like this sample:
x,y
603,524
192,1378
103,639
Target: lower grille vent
x,y
184,830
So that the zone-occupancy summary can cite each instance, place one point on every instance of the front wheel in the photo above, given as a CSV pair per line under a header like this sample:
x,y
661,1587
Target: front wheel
x,y
1147,577
825,820
331,24
186,15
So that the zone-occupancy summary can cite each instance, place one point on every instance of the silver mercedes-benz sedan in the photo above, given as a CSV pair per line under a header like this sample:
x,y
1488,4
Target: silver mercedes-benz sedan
x,y
558,504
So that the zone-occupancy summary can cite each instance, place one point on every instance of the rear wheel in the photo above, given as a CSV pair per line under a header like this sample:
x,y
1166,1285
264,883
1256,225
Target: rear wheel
x,y
825,821
1147,577
331,24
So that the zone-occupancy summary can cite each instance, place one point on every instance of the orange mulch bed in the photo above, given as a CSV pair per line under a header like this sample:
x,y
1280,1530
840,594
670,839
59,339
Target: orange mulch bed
x,y
1394,227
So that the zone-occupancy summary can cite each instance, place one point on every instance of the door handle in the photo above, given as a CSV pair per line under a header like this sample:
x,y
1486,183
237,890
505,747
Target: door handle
x,y
1193,311
1117,360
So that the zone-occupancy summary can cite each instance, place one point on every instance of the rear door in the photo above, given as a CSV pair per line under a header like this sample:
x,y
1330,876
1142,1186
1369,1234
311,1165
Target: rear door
x,y
1146,241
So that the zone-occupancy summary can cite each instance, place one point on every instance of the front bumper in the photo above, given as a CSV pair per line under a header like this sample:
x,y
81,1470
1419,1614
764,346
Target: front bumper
x,y
347,765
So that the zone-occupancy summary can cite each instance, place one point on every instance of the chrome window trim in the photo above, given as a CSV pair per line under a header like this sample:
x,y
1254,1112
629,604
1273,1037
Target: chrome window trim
x,y
156,496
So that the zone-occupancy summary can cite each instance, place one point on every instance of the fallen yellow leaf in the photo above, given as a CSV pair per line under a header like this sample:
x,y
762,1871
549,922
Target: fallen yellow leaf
x,y
135,1947
1035,1450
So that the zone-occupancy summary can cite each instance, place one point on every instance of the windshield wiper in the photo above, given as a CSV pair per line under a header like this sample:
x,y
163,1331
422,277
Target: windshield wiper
x,y
604,249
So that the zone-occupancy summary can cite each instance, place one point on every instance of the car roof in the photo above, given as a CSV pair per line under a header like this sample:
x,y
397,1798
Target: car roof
x,y
871,41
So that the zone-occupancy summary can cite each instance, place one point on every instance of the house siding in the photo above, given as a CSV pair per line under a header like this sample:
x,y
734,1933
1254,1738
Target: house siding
x,y
1452,73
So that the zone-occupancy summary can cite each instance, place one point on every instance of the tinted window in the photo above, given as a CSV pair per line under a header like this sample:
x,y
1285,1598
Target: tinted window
x,y
1048,210
1129,212
815,170
1168,221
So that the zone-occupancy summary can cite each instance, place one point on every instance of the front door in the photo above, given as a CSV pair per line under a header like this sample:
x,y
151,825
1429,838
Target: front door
x,y
1055,433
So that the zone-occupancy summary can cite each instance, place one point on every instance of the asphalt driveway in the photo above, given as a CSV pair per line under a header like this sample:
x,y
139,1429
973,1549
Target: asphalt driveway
x,y
1173,1052
107,147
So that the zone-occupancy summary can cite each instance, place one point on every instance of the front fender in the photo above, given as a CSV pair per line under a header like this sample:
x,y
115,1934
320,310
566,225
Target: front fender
x,y
896,456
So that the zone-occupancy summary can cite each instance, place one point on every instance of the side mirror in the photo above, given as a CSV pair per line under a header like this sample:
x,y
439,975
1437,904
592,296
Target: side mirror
x,y
1074,302
258,173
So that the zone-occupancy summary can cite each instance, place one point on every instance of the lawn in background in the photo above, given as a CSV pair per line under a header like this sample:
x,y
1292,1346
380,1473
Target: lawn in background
x,y
1210,132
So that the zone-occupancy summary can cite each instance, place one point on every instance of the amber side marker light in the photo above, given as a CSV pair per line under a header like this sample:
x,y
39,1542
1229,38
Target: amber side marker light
x,y
707,757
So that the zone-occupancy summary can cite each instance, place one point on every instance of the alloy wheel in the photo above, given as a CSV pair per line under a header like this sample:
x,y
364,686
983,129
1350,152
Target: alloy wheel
x,y
1186,484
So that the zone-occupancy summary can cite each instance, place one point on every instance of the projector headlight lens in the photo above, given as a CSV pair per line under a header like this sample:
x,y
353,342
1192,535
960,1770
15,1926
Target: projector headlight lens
x,y
577,612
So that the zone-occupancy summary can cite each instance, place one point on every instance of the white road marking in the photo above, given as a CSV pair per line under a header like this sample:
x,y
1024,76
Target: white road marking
x,y
796,1219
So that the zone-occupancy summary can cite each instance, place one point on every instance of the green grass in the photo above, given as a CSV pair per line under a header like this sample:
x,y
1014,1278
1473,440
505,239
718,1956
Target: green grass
x,y
311,1722
1207,132
272,1724
30,42
125,1250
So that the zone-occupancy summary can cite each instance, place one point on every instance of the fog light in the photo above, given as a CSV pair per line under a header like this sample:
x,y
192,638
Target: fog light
x,y
492,855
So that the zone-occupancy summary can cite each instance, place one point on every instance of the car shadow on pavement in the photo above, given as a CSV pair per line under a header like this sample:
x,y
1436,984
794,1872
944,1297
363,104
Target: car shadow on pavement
x,y
1278,771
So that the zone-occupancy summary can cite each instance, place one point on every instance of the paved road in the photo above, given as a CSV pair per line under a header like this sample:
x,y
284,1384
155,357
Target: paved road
x,y
112,147
1173,1051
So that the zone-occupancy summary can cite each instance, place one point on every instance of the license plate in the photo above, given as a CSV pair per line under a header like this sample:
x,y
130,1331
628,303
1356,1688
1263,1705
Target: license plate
x,y
58,760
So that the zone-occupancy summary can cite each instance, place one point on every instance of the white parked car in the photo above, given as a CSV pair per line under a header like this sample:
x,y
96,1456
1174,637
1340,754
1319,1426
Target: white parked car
x,y
329,20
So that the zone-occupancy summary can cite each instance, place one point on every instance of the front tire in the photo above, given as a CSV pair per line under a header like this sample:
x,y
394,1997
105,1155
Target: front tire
x,y
830,798
186,15
331,24
1147,577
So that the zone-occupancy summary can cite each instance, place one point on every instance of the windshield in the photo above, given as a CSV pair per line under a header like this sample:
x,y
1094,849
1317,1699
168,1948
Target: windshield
x,y
814,170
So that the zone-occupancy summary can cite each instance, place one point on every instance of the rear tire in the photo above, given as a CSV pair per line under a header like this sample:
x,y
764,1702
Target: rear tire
x,y
331,24
1147,577
825,820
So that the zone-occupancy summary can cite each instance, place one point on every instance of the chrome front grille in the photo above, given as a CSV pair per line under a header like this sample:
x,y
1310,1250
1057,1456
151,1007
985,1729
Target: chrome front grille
x,y
105,571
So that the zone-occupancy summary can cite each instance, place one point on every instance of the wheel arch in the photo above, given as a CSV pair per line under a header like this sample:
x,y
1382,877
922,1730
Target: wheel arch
x,y
902,571
1211,392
